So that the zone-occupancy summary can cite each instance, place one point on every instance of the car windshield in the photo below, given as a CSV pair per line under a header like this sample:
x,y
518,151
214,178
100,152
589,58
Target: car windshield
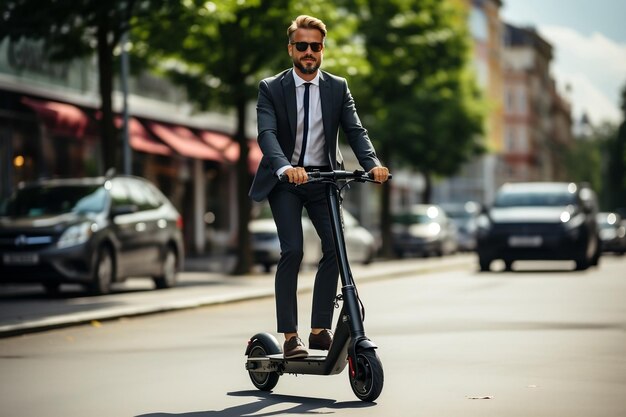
x,y
412,218
534,199
52,200
608,221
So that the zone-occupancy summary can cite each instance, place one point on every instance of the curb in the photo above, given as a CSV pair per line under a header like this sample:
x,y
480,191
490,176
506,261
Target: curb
x,y
381,271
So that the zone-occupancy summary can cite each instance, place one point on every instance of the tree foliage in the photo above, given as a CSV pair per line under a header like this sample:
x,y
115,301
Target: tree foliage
x,y
616,175
423,107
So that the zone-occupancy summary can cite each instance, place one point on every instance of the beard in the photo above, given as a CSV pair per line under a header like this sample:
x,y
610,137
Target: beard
x,y
308,68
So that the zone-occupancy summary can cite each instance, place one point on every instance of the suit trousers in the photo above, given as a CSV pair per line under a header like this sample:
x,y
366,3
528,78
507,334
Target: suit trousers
x,y
287,201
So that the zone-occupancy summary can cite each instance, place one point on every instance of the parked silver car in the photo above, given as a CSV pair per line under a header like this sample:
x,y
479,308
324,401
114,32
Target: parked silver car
x,y
464,216
360,243
424,230
612,232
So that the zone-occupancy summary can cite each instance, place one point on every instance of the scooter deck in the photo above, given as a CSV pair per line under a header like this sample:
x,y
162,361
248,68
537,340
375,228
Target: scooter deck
x,y
280,357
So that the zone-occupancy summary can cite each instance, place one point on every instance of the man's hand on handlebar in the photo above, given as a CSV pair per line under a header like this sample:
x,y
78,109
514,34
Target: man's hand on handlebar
x,y
296,175
379,174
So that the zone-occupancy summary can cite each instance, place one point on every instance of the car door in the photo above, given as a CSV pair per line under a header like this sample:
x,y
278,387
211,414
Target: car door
x,y
123,221
149,237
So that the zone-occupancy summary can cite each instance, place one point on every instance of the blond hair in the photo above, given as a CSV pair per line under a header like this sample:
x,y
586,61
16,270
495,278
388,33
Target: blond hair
x,y
306,22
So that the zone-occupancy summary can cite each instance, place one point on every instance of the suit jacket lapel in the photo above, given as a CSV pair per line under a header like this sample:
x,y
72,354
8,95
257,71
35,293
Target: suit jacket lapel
x,y
327,106
289,93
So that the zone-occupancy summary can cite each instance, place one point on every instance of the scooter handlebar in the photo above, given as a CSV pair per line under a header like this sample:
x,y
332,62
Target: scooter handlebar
x,y
337,175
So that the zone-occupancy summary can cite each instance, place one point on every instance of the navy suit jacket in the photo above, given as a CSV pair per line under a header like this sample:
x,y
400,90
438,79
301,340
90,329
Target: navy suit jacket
x,y
277,119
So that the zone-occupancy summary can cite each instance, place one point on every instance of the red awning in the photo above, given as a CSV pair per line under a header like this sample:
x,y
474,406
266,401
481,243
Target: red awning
x,y
60,118
254,154
185,142
230,148
223,143
141,140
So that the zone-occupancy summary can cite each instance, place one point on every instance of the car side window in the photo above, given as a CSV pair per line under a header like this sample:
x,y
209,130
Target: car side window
x,y
119,194
141,195
154,197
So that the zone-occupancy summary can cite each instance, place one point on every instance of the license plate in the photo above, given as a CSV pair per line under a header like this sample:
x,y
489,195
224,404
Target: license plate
x,y
525,241
20,258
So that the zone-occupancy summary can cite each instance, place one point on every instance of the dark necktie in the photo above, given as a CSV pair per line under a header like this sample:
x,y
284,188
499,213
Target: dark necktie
x,y
305,133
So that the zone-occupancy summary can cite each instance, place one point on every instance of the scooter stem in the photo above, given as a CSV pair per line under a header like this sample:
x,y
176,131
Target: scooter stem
x,y
332,196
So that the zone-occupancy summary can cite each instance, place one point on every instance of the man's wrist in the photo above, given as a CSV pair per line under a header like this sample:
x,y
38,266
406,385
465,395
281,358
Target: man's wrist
x,y
280,171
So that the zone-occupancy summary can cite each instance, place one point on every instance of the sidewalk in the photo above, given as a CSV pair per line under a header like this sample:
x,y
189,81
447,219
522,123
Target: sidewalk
x,y
30,312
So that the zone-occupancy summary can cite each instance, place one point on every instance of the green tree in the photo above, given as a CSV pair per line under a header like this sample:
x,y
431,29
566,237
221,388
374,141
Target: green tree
x,y
423,107
595,159
73,29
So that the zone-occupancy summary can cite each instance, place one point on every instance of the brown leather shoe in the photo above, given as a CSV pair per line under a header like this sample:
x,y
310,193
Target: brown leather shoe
x,y
321,341
294,348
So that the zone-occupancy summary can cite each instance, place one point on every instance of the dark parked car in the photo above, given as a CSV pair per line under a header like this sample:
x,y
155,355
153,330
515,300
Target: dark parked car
x,y
612,232
424,230
92,231
540,221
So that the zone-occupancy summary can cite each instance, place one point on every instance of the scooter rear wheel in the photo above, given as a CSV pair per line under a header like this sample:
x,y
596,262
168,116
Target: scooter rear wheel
x,y
367,383
264,381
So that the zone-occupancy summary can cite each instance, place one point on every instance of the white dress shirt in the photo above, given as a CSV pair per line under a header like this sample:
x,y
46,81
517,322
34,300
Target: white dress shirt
x,y
314,154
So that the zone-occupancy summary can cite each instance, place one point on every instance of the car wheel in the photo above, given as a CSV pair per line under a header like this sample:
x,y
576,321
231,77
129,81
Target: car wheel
x,y
582,264
508,265
484,264
169,272
369,257
595,260
103,273
52,288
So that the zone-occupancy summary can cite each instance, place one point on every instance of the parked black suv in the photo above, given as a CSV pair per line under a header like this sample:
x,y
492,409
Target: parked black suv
x,y
540,221
93,231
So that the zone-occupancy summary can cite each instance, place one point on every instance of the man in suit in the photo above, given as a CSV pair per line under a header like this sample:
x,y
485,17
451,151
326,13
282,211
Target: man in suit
x,y
299,112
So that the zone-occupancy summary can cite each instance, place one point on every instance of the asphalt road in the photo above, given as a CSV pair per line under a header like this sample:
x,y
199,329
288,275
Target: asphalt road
x,y
540,341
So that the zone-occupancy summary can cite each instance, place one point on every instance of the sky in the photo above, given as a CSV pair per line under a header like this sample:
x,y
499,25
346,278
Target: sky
x,y
589,41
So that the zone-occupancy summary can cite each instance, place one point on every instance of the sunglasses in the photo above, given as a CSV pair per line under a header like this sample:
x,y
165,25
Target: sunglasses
x,y
303,46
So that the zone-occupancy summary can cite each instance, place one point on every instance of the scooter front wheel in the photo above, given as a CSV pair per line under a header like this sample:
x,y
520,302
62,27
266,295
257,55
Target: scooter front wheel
x,y
368,377
264,381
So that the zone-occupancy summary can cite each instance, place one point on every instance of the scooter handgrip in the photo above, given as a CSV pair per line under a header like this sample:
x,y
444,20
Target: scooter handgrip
x,y
370,176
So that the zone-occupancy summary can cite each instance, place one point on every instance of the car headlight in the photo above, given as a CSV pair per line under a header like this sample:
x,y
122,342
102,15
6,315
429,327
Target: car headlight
x,y
76,235
572,222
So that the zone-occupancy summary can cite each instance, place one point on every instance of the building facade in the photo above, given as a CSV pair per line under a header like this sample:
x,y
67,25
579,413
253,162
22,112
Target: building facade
x,y
477,180
538,125
528,126
49,117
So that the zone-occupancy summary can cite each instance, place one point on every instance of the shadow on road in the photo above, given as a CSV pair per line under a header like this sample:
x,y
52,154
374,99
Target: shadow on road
x,y
263,400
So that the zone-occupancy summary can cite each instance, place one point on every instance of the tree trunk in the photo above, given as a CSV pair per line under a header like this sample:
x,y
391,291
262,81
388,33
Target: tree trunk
x,y
108,137
428,188
385,207
385,221
244,253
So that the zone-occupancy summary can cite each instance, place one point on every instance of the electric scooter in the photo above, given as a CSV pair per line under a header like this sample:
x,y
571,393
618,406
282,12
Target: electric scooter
x,y
266,363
